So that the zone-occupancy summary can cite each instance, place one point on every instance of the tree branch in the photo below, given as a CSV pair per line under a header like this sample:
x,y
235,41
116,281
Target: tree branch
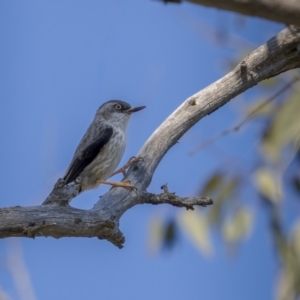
x,y
171,198
287,11
56,218
247,119
65,221
57,221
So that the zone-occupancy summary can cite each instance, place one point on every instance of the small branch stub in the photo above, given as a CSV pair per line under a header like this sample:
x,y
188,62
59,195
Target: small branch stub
x,y
172,199
166,189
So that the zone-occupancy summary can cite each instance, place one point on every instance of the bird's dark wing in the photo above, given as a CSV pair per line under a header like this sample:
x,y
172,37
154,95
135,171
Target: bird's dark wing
x,y
88,155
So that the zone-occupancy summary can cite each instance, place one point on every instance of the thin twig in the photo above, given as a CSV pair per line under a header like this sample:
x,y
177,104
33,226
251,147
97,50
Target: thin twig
x,y
248,118
172,199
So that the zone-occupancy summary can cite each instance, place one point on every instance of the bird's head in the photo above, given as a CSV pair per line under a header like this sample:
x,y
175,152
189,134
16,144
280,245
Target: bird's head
x,y
117,112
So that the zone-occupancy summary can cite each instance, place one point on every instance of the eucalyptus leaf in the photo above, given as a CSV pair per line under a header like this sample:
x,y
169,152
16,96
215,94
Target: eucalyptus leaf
x,y
284,130
196,226
269,184
238,226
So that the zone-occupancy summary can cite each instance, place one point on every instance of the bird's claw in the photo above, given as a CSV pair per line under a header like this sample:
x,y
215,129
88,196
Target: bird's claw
x,y
131,161
129,185
125,184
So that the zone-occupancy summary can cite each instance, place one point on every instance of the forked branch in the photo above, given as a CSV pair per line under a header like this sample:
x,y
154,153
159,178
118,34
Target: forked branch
x,y
56,218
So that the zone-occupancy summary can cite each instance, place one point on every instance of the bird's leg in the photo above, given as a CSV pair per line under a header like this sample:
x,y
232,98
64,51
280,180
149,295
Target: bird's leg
x,y
122,170
125,184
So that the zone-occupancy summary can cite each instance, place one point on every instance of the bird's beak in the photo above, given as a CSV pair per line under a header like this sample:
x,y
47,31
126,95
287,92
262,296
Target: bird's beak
x,y
134,109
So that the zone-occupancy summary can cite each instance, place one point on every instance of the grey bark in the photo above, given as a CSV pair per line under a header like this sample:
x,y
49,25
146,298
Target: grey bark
x,y
283,11
57,219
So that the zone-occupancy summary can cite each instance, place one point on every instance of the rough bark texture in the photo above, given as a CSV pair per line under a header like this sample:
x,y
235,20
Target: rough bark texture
x,y
57,219
62,220
283,11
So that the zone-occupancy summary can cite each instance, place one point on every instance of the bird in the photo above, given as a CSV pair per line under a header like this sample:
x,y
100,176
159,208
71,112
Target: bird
x,y
101,148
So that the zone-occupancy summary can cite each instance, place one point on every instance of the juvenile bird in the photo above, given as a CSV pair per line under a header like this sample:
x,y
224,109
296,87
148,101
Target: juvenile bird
x,y
102,147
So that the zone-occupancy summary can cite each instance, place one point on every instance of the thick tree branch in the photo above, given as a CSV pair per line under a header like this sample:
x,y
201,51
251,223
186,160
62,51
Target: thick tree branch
x,y
57,221
283,11
65,221
56,218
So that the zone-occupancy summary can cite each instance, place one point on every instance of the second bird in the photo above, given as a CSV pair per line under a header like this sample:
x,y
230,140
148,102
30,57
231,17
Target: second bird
x,y
102,146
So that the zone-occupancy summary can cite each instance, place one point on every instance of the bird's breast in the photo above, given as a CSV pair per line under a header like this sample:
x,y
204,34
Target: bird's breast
x,y
106,161
114,151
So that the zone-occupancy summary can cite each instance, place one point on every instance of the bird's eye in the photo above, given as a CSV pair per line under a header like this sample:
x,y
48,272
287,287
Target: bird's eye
x,y
118,106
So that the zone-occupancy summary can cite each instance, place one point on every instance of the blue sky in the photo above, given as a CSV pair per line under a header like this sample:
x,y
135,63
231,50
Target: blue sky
x,y
60,60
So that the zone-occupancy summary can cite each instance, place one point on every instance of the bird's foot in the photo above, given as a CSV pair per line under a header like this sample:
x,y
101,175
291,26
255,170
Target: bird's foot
x,y
131,161
125,184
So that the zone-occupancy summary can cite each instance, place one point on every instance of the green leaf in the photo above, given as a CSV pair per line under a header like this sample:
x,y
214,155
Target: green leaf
x,y
162,234
289,287
284,130
212,183
238,226
222,189
296,240
155,236
196,226
169,235
269,184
